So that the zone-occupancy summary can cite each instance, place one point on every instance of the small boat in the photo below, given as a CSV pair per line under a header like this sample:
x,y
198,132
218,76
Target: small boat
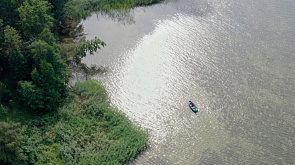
x,y
193,107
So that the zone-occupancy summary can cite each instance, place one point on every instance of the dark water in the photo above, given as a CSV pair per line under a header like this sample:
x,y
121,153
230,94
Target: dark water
x,y
234,59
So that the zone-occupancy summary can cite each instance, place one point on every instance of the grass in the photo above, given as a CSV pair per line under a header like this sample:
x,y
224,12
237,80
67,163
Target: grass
x,y
86,130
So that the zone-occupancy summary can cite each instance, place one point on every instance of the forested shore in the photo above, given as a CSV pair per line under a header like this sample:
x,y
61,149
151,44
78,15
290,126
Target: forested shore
x,y
44,119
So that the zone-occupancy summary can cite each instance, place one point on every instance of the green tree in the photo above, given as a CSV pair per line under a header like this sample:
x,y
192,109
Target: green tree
x,y
89,46
48,37
58,9
47,49
13,40
3,58
49,77
5,94
8,11
1,34
17,65
28,92
35,17
10,139
9,40
47,89
42,51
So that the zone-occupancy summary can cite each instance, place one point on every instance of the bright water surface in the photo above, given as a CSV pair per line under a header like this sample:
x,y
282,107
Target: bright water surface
x,y
234,58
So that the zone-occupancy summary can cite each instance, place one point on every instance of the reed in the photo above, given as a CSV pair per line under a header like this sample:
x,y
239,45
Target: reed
x,y
76,10
86,130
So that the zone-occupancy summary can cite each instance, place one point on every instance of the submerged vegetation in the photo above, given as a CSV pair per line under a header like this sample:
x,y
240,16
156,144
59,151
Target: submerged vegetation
x,y
42,119
77,9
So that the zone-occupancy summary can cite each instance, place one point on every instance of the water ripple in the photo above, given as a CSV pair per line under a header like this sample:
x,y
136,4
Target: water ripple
x,y
234,59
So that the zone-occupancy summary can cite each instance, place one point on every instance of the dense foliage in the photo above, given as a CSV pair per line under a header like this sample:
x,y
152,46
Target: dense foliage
x,y
10,139
86,130
35,16
46,90
8,11
29,54
5,94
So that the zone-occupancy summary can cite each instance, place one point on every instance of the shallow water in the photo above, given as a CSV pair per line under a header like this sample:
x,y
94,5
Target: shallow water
x,y
234,59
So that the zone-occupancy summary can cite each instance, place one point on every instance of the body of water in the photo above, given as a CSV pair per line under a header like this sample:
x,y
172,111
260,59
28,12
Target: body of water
x,y
235,59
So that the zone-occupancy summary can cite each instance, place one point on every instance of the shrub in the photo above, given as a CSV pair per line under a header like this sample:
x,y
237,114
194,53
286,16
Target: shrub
x,y
5,94
47,89
10,137
87,130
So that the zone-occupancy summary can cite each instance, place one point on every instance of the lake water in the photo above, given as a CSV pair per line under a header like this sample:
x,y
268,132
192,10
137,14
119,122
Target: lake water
x,y
234,58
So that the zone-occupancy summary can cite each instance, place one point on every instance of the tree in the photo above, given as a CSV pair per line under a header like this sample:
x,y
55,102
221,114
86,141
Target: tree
x,y
13,40
10,138
35,17
28,91
3,59
48,37
9,12
47,49
17,65
58,8
1,34
5,94
47,89
85,46
49,77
